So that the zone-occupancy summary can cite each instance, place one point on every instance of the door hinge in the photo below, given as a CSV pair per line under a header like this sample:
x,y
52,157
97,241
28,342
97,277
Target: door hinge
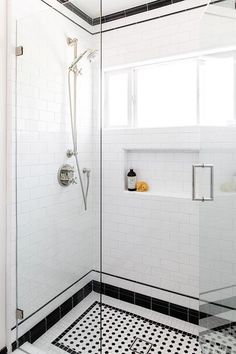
x,y
19,314
19,50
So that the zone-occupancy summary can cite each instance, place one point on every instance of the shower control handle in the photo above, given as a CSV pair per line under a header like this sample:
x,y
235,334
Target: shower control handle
x,y
203,199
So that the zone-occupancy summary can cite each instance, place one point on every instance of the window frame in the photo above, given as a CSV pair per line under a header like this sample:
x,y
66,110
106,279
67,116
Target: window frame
x,y
132,88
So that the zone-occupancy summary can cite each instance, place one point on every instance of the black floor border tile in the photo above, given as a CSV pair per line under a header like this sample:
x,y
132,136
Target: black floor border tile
x,y
3,350
57,342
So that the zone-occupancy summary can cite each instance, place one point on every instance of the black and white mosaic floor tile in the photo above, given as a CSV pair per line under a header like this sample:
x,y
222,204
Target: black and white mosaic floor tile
x,y
123,333
218,341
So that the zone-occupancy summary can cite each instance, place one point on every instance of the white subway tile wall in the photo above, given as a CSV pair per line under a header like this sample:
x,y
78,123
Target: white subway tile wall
x,y
155,238
151,238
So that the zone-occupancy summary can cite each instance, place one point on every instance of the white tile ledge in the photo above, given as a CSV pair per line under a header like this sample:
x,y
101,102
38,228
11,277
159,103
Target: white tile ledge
x,y
157,195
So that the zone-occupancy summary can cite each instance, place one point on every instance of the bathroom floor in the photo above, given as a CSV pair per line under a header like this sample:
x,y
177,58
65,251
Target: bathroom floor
x,y
126,329
221,341
123,332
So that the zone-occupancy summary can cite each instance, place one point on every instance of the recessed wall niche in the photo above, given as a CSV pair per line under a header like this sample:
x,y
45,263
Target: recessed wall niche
x,y
168,172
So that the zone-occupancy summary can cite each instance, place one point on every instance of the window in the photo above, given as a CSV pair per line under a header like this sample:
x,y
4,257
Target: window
x,y
117,98
217,91
166,94
183,92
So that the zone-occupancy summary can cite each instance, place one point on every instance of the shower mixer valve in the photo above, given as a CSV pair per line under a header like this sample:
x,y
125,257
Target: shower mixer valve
x,y
66,176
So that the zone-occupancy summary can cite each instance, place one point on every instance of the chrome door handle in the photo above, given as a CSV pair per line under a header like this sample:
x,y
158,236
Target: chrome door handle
x,y
203,199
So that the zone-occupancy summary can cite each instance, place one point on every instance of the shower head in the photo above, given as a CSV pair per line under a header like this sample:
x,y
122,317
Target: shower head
x,y
91,55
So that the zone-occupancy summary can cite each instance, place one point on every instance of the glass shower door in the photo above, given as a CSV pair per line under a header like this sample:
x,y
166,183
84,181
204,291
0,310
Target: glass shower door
x,y
57,241
217,227
217,230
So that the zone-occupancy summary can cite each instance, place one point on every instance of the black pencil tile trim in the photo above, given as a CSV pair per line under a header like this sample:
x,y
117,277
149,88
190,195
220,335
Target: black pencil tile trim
x,y
66,307
3,350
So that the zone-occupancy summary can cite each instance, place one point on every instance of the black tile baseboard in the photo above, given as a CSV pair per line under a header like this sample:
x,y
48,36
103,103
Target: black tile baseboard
x,y
45,324
164,307
3,350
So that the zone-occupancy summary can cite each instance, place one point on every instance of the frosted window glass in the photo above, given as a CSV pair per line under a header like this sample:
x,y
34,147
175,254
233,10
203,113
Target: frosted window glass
x,y
166,94
117,99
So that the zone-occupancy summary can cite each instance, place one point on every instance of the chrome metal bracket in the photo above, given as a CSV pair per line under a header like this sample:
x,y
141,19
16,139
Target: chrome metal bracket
x,y
19,314
19,50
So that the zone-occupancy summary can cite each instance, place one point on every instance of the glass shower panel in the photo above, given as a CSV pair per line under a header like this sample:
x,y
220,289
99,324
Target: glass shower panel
x,y
217,228
57,239
150,236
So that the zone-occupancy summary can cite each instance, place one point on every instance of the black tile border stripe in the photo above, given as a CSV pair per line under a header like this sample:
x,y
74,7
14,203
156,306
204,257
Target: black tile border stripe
x,y
3,350
148,302
61,346
156,18
56,315
145,284
123,13
101,274
63,2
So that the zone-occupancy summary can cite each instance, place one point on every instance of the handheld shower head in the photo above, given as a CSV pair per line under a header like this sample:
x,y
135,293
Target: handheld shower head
x,y
91,57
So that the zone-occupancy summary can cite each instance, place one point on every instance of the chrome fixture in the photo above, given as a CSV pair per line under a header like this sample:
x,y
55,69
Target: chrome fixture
x,y
66,176
87,171
70,153
91,56
203,199
73,69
